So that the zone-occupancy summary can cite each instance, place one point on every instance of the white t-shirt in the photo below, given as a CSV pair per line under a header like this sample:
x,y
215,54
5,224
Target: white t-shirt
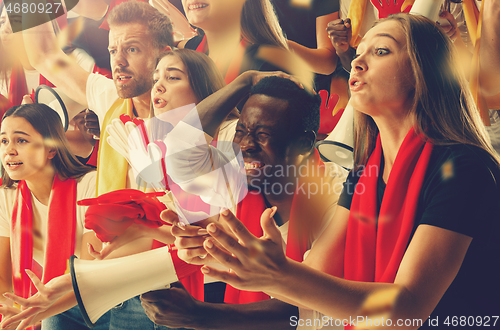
x,y
101,94
85,189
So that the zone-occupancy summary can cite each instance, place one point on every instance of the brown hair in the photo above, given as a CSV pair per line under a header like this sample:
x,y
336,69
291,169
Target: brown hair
x,y
260,25
158,25
442,107
204,76
48,123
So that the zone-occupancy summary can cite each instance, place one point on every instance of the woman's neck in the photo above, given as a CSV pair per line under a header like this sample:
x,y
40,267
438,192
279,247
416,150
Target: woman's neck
x,y
392,134
41,186
223,44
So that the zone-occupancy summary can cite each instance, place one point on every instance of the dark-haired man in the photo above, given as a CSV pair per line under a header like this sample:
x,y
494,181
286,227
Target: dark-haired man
x,y
275,133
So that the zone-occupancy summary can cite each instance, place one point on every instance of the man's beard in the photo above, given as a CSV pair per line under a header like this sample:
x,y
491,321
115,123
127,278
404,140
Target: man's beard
x,y
134,88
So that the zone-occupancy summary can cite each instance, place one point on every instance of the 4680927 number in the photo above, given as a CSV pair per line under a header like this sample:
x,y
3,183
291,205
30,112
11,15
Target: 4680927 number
x,y
33,8
469,321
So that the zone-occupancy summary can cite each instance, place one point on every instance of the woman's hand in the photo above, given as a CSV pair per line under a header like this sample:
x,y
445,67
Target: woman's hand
x,y
134,232
189,238
255,263
46,296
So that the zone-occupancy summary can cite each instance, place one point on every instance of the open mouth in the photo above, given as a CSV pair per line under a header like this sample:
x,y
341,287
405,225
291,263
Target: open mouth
x,y
354,84
197,6
123,79
253,165
12,165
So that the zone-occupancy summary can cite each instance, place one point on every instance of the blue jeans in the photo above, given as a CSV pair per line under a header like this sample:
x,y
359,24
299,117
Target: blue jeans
x,y
72,319
130,315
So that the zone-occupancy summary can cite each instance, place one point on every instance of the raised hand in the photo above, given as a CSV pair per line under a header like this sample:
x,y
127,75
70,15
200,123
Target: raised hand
x,y
451,28
182,29
92,123
255,263
340,34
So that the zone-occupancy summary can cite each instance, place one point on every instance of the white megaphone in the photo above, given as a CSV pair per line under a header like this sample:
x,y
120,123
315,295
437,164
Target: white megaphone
x,y
101,285
427,8
58,101
338,147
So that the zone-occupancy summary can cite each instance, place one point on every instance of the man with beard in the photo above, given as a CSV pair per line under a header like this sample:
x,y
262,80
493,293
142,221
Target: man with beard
x,y
138,34
275,133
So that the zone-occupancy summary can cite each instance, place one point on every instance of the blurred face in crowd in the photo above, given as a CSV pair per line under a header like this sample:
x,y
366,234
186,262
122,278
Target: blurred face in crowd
x,y
210,14
12,43
382,81
171,88
133,59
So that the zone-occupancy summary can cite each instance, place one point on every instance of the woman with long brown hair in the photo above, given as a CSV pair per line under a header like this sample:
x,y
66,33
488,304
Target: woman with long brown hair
x,y
40,224
414,241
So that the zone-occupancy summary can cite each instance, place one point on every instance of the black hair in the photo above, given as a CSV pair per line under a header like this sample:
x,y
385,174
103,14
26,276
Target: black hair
x,y
303,106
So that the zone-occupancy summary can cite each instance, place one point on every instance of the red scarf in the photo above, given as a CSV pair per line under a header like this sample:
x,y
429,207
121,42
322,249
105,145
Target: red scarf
x,y
250,210
61,233
17,86
376,243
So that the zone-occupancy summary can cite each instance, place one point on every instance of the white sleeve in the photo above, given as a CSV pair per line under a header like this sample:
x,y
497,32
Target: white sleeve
x,y
83,59
101,94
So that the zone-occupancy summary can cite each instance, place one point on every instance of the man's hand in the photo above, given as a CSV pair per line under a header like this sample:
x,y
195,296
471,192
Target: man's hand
x,y
174,307
92,123
340,34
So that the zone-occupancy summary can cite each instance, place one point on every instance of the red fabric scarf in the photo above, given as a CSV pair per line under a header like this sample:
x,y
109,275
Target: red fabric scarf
x,y
375,244
249,212
17,86
61,233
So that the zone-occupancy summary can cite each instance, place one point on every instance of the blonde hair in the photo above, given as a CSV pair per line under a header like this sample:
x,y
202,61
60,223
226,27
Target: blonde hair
x,y
260,25
443,107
